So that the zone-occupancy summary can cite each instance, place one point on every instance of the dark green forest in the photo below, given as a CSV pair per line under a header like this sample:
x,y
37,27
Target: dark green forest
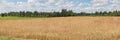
x,y
63,13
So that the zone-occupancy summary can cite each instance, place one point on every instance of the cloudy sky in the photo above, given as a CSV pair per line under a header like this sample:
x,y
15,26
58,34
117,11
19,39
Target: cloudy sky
x,y
57,5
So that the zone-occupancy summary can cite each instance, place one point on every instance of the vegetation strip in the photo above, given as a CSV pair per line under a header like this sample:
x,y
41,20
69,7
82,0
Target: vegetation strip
x,y
63,13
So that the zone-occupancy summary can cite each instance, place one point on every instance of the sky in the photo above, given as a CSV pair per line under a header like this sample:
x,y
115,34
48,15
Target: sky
x,y
57,5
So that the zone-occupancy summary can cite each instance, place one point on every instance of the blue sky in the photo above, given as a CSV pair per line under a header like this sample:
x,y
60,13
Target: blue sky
x,y
27,0
57,5
17,1
75,1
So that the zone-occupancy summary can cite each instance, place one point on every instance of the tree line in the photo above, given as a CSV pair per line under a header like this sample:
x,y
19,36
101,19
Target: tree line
x,y
63,13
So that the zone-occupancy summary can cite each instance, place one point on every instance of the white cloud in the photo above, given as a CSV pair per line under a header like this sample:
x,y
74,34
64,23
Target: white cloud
x,y
57,5
99,2
115,1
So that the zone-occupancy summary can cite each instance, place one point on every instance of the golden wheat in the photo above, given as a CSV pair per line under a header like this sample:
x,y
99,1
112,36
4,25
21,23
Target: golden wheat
x,y
63,28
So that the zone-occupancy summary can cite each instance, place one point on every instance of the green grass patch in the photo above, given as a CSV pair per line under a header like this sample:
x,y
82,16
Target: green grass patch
x,y
13,18
8,38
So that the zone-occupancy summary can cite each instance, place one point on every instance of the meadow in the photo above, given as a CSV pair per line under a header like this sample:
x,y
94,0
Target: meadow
x,y
61,28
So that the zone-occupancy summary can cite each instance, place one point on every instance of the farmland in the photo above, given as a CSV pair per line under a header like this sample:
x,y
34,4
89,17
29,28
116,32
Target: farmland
x,y
62,28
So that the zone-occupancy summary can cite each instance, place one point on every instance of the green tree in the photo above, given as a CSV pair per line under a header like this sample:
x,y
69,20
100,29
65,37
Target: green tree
x,y
64,12
29,14
22,13
2,15
36,14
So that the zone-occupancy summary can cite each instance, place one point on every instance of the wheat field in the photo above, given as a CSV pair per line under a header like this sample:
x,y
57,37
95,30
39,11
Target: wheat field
x,y
62,28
